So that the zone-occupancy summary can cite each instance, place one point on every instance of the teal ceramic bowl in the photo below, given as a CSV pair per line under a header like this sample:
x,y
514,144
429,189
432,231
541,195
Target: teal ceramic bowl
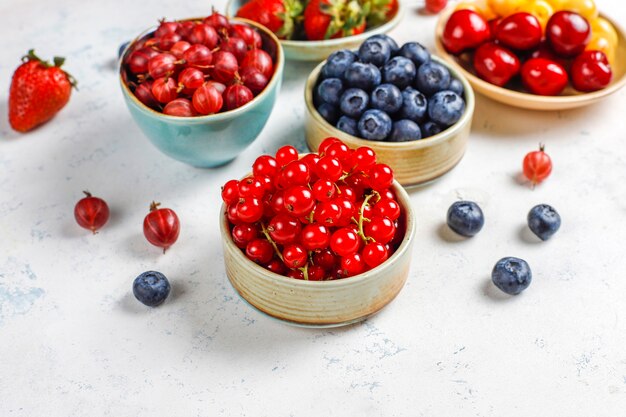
x,y
302,50
213,140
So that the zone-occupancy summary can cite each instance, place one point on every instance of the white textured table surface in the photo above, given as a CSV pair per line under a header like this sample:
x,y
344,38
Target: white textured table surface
x,y
74,341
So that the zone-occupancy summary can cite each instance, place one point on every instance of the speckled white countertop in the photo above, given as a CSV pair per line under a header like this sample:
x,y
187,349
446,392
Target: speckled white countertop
x,y
74,341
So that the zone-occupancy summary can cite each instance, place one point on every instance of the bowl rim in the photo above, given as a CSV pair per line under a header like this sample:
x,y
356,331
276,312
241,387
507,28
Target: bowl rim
x,y
387,26
276,77
444,135
518,95
268,275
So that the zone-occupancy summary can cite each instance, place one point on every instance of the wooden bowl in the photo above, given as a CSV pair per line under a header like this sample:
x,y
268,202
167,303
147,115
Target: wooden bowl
x,y
303,50
321,303
413,163
569,99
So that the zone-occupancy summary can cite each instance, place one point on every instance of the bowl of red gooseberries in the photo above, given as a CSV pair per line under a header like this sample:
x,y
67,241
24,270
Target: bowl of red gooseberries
x,y
319,239
202,89
535,54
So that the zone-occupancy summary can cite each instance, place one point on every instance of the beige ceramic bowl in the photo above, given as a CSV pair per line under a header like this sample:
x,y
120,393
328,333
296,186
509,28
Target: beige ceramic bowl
x,y
568,100
321,303
413,163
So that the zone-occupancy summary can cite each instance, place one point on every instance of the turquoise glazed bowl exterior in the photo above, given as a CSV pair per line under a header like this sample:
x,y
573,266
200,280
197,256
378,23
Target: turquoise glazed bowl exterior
x,y
213,140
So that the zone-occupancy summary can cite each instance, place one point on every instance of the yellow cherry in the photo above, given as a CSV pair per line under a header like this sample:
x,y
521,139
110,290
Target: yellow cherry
x,y
601,43
478,6
541,9
603,27
585,8
504,8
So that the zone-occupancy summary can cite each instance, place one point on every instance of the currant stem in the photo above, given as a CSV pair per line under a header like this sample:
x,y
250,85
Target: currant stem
x,y
269,239
362,219
305,271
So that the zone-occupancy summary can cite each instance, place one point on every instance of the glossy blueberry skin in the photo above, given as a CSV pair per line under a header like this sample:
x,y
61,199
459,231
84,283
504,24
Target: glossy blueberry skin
x,y
348,125
399,71
390,41
430,128
330,90
465,218
337,63
123,46
415,52
363,76
151,288
328,112
374,125
544,221
354,102
375,51
414,105
432,78
405,130
511,275
446,108
386,97
457,87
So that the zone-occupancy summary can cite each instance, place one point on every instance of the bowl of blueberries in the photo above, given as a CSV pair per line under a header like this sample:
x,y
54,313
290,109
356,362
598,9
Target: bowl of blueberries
x,y
413,109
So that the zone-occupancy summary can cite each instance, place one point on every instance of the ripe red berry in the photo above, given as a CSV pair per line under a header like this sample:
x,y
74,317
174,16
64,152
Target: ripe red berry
x,y
295,173
224,67
344,242
91,212
315,236
327,213
316,273
253,79
261,60
352,265
205,35
249,35
537,165
329,168
237,95
260,251
143,92
286,154
230,192
387,207
179,48
299,200
249,209
166,28
161,65
180,107
284,229
323,190
276,266
251,187
325,259
380,177
374,254
243,234
161,226
381,229
198,56
189,80
207,100
294,256
265,165
165,89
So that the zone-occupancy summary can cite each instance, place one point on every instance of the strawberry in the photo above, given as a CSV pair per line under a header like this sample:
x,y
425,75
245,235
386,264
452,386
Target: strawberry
x,y
325,19
38,91
277,15
380,11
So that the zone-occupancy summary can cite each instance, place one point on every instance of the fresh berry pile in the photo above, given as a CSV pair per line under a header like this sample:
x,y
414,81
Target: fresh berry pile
x,y
316,217
195,68
387,93
318,19
542,47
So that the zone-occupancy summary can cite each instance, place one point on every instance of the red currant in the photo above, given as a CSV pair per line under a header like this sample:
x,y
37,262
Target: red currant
x,y
284,229
230,192
328,168
276,266
243,234
295,173
344,242
316,273
380,177
249,209
387,207
338,150
348,211
323,190
294,256
364,158
347,192
315,236
327,213
286,154
265,165
381,229
91,212
260,251
374,254
326,143
231,214
295,273
352,265
299,200
161,226
251,187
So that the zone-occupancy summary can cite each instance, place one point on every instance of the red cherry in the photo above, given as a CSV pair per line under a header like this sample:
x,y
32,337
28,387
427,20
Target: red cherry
x,y
249,35
189,80
198,56
253,79
161,226
299,200
544,77
205,35
286,154
465,29
161,65
237,95
374,254
260,251
261,60
544,51
537,165
166,28
225,67
235,46
352,265
495,64
315,236
91,212
180,107
435,6
143,92
520,31
230,192
284,229
294,256
344,242
591,71
568,33
207,100
381,229
165,89
179,48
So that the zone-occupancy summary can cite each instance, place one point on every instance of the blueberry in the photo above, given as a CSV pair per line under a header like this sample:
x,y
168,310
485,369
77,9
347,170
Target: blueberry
x,y
511,275
457,87
363,76
354,102
465,218
446,108
399,71
392,44
328,112
430,128
544,221
414,105
151,288
337,63
122,48
386,97
348,125
375,51
415,52
374,125
431,78
330,90
405,130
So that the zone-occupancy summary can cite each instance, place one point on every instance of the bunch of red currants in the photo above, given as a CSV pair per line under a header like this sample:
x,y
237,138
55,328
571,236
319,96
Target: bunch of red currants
x,y
196,68
317,216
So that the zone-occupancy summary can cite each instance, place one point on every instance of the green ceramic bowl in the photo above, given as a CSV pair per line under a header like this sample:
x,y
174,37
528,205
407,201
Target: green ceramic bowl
x,y
213,140
319,50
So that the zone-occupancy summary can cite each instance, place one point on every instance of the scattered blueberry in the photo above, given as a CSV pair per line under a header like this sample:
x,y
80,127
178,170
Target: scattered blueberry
x,y
457,87
399,71
374,125
363,76
405,130
511,275
122,48
465,218
337,63
414,105
446,107
348,125
544,221
151,288
415,52
375,51
386,97
430,129
432,77
328,112
392,43
330,90
354,102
